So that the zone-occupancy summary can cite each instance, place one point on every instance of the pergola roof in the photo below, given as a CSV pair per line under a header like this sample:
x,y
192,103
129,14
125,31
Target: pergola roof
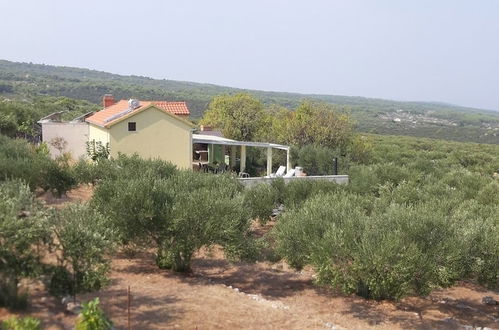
x,y
210,139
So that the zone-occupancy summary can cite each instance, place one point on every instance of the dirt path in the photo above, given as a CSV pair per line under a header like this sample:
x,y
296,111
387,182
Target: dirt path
x,y
221,295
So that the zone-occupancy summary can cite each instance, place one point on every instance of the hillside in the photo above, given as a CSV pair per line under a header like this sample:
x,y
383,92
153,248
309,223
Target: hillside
x,y
435,120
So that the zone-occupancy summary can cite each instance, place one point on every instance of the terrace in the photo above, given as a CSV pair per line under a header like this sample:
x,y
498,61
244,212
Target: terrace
x,y
218,154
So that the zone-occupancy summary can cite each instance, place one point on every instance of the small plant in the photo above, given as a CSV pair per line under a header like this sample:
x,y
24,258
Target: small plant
x,y
43,149
92,317
25,323
97,151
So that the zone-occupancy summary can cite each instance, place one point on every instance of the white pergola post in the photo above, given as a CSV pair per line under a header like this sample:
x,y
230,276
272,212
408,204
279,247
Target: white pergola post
x,y
243,159
288,163
269,161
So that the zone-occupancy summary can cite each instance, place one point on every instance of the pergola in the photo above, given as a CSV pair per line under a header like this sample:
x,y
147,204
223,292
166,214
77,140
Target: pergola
x,y
216,140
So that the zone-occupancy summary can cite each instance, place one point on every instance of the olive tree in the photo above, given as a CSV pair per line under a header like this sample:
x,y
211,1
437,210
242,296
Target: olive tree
x,y
239,116
83,238
23,229
179,214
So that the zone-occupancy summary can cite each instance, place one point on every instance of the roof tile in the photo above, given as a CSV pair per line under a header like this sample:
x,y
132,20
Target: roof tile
x,y
102,117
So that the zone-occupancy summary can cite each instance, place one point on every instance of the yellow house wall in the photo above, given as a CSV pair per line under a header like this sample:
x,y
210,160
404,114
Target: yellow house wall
x,y
98,134
158,135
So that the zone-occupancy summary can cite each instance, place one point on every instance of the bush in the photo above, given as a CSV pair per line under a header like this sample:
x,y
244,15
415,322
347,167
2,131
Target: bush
x,y
23,230
56,178
123,167
385,250
61,281
317,160
84,237
92,317
97,151
479,236
261,199
10,294
25,323
363,179
146,209
19,160
297,192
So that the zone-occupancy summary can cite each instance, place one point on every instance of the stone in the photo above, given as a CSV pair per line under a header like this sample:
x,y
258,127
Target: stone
x,y
66,299
488,300
74,308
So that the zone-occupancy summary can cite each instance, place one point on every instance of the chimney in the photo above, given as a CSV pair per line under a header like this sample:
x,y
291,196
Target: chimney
x,y
205,128
107,100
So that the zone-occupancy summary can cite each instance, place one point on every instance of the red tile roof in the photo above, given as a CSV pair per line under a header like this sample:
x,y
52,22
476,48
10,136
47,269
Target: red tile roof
x,y
177,108
104,117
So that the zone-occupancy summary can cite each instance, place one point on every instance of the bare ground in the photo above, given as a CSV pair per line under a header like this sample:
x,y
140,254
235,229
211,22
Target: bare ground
x,y
218,294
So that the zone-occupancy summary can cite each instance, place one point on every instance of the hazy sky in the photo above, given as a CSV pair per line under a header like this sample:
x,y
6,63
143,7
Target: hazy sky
x,y
428,50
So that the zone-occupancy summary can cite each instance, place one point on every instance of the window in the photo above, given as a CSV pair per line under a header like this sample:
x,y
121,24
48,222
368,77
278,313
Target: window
x,y
132,126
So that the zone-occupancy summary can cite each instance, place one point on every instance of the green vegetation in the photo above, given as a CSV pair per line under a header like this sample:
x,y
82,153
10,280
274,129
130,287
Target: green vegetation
x,y
92,317
40,83
18,117
25,323
20,160
240,116
261,200
177,214
80,236
23,230
83,239
311,123
418,214
317,131
421,215
97,151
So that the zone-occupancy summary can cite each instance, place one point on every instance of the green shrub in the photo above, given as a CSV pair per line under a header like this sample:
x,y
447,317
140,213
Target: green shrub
x,y
300,231
479,236
10,294
97,151
489,194
363,179
137,207
317,160
280,187
25,323
297,192
261,199
19,160
23,233
385,250
146,209
61,281
84,237
92,317
132,166
57,179
467,182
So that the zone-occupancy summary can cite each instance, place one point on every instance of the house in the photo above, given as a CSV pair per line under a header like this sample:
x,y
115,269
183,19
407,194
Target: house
x,y
152,129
